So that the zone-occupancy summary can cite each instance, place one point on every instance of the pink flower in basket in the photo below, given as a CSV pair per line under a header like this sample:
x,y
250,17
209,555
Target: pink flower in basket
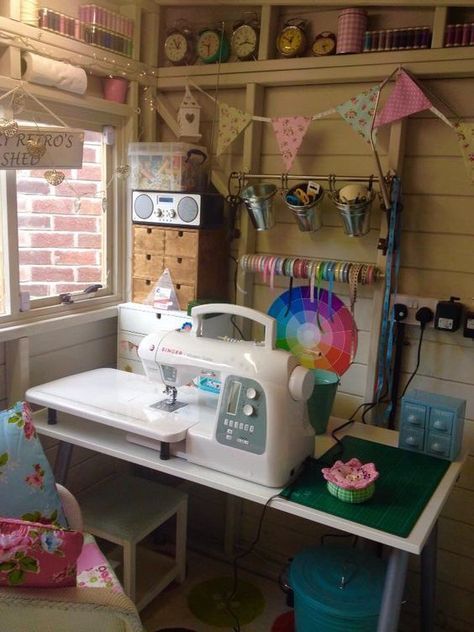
x,y
351,475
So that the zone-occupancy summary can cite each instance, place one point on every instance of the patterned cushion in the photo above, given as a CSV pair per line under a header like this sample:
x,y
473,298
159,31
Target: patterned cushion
x,y
27,486
93,568
36,555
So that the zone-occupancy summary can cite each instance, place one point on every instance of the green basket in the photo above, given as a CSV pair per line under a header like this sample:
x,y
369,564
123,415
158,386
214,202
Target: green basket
x,y
353,496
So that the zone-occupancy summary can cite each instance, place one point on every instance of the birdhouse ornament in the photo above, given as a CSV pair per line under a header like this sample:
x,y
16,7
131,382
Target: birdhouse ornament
x,y
189,115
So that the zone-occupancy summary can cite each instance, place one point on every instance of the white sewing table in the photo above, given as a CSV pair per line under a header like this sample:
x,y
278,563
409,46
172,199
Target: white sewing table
x,y
104,413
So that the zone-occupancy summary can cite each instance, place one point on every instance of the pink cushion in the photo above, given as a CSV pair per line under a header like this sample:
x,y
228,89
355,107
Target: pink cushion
x,y
33,554
93,569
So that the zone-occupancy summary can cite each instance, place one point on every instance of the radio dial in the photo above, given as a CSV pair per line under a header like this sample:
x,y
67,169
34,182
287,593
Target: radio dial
x,y
172,213
159,212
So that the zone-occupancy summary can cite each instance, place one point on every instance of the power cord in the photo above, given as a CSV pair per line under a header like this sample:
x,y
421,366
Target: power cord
x,y
424,316
235,568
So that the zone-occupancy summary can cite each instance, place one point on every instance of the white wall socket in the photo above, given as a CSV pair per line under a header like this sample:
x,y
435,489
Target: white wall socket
x,y
413,304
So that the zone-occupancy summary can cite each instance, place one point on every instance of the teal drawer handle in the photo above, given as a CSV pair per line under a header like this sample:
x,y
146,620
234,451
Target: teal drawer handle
x,y
414,420
411,441
438,447
439,425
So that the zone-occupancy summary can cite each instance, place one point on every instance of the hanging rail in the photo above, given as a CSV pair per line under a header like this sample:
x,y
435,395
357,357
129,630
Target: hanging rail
x,y
242,175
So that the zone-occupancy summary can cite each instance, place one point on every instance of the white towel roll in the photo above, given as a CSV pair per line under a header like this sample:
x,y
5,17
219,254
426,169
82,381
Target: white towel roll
x,y
49,72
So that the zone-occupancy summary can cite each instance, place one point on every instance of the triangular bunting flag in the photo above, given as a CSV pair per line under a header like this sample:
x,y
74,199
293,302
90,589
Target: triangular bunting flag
x,y
406,98
359,111
465,134
231,122
289,132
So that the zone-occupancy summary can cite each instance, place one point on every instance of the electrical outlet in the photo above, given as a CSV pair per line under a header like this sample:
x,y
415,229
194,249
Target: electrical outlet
x,y
413,304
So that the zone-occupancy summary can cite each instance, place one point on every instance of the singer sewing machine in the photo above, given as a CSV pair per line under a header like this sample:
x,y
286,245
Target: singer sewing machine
x,y
256,427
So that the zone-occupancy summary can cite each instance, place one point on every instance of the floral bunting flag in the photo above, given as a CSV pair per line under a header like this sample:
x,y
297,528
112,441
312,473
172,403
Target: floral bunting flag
x,y
359,111
289,132
231,122
406,98
465,134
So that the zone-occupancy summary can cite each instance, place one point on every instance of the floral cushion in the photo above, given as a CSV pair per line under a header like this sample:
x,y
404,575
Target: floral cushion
x,y
36,555
27,486
93,568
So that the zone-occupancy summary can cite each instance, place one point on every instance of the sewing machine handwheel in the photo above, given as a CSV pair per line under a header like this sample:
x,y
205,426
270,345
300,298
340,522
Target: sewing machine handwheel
x,y
301,384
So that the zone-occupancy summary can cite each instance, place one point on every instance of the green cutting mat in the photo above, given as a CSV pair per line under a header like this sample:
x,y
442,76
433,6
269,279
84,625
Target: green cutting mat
x,y
405,484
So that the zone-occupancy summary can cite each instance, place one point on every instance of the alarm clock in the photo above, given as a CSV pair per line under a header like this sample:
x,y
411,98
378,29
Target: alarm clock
x,y
291,40
244,40
213,46
324,44
180,47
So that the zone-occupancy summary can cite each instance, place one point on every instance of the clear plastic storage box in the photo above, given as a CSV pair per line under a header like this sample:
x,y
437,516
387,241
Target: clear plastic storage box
x,y
168,166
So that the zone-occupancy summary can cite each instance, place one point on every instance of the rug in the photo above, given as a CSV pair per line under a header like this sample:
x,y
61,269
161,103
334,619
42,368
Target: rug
x,y
207,601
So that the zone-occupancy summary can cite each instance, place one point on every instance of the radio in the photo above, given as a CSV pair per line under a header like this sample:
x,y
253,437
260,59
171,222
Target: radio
x,y
163,208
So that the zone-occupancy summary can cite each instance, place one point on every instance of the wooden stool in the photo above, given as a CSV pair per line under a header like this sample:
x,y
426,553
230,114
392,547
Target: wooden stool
x,y
126,509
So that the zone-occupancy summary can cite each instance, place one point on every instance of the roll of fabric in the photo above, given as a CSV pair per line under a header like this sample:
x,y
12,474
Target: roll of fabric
x,y
49,72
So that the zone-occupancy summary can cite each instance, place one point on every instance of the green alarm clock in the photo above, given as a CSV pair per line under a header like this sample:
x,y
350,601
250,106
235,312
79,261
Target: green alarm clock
x,y
213,46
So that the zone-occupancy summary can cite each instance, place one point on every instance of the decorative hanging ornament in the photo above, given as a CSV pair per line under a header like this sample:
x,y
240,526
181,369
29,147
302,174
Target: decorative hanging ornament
x,y
36,147
8,127
54,177
123,171
18,102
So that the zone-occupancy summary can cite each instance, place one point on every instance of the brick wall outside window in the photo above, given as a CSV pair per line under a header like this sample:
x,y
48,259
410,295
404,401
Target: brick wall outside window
x,y
60,236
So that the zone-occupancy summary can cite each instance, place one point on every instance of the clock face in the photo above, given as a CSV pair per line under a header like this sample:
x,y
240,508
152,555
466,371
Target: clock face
x,y
208,45
291,41
176,48
324,44
245,41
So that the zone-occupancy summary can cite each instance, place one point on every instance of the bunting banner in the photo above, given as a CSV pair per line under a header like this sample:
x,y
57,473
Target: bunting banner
x,y
359,112
289,132
232,121
406,98
465,134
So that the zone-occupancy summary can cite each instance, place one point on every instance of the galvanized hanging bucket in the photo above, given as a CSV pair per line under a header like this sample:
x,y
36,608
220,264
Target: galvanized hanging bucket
x,y
259,202
303,203
355,212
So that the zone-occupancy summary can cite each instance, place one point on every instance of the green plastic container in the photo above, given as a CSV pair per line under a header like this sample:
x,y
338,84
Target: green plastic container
x,y
321,401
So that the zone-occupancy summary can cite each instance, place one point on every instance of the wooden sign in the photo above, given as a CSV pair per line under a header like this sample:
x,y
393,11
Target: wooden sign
x,y
33,147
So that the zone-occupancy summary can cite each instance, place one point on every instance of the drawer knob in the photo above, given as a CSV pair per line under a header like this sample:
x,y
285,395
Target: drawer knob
x,y
439,425
413,419
437,447
411,440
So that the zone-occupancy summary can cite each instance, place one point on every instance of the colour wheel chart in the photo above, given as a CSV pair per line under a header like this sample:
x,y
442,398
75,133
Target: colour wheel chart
x,y
322,333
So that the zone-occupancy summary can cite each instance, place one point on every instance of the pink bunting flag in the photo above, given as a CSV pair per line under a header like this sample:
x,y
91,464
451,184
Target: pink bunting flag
x,y
406,98
465,134
289,132
231,122
359,111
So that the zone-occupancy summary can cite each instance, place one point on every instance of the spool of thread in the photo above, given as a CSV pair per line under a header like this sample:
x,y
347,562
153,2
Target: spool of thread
x,y
29,12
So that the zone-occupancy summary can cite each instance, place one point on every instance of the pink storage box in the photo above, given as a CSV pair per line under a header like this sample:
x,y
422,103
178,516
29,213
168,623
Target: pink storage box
x,y
351,27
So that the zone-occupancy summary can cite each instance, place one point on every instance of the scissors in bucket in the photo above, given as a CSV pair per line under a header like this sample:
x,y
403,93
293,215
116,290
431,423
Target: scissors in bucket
x,y
313,190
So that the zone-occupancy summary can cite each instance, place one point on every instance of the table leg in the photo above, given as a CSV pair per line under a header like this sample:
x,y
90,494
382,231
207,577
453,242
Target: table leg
x,y
428,581
393,591
61,464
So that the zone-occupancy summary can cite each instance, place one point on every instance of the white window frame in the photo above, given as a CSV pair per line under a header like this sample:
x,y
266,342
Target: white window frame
x,y
80,117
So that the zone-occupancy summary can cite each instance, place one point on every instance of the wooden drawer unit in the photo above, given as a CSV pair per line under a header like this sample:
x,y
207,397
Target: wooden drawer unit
x,y
196,259
432,424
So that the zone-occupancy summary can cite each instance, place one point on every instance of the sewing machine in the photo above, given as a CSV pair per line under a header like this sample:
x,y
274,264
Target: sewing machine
x,y
256,427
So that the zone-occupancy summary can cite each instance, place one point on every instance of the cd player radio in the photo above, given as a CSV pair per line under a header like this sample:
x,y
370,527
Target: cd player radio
x,y
166,208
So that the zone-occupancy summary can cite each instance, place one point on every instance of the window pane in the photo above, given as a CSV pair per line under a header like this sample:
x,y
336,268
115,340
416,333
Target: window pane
x,y
61,229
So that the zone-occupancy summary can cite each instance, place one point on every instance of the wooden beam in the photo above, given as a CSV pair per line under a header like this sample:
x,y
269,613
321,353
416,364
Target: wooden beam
x,y
17,359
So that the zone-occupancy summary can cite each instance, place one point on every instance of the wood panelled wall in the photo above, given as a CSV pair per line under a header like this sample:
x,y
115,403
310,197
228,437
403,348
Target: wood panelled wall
x,y
3,385
437,261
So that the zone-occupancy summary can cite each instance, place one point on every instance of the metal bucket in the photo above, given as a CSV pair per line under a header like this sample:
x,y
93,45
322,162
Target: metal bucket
x,y
259,202
308,216
355,215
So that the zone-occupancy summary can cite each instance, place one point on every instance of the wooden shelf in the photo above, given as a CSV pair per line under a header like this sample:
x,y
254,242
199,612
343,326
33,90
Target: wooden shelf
x,y
439,62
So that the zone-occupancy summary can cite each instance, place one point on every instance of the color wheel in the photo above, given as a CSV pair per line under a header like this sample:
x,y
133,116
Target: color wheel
x,y
328,342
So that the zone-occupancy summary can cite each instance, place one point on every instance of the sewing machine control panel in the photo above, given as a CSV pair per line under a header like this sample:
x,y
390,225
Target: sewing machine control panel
x,y
242,417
